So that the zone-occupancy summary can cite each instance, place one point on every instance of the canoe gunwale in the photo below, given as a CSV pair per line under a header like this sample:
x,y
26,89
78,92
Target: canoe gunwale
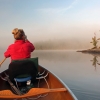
x,y
74,97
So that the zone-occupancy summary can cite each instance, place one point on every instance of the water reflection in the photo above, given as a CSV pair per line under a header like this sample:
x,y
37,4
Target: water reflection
x,y
95,61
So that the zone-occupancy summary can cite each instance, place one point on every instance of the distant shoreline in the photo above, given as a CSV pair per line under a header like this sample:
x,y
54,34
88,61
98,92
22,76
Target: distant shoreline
x,y
97,50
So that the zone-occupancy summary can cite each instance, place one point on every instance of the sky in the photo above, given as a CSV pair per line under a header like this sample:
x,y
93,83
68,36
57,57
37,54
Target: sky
x,y
49,19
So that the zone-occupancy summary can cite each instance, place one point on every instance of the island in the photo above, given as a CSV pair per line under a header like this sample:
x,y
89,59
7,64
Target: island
x,y
95,48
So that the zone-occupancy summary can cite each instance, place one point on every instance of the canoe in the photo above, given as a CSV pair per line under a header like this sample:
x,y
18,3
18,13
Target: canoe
x,y
47,87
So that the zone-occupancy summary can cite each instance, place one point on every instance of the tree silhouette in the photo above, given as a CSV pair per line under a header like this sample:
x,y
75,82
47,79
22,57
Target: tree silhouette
x,y
95,41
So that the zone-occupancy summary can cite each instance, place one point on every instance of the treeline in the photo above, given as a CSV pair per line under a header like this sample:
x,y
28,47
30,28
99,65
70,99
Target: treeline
x,y
61,44
50,45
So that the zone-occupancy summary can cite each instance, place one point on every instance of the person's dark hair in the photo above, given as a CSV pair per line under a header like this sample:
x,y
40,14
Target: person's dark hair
x,y
18,33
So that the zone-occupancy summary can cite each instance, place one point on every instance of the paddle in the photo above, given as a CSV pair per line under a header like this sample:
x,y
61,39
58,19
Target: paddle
x,y
2,61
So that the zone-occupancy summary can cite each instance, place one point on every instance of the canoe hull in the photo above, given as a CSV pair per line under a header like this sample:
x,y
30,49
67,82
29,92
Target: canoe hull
x,y
53,82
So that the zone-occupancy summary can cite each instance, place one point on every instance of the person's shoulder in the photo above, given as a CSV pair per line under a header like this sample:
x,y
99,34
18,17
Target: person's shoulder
x,y
11,45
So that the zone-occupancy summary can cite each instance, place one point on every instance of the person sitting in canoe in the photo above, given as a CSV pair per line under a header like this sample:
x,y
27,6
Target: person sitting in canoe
x,y
21,49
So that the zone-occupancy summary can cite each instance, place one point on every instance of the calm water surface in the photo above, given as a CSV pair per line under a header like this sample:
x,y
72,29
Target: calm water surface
x,y
81,72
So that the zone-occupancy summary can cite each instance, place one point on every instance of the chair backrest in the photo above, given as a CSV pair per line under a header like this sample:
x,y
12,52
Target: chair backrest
x,y
34,60
25,66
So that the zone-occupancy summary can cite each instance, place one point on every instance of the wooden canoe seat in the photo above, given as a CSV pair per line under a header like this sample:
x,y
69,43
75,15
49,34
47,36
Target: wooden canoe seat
x,y
32,92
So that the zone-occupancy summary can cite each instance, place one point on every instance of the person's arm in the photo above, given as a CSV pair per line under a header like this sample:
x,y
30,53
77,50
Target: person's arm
x,y
32,47
7,53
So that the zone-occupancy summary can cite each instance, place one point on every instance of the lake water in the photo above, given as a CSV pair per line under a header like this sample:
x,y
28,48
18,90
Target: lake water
x,y
79,71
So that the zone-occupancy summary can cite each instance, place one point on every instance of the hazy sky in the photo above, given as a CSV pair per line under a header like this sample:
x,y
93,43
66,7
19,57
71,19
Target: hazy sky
x,y
49,19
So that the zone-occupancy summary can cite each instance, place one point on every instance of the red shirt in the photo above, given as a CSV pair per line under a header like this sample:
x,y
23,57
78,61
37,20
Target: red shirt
x,y
19,50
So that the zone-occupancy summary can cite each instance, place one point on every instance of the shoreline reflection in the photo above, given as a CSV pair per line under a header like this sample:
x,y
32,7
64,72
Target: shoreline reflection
x,y
95,61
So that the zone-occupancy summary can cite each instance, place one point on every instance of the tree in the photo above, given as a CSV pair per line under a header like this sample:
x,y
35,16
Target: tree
x,y
95,41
